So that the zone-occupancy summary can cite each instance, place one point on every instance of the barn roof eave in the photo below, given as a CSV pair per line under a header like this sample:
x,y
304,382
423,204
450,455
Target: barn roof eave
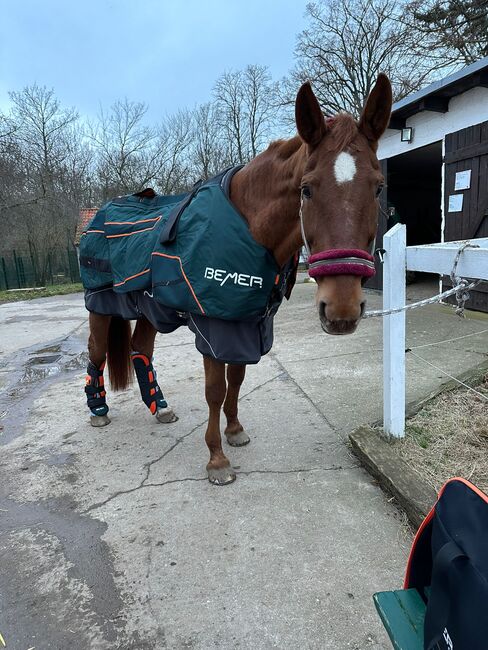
x,y
436,96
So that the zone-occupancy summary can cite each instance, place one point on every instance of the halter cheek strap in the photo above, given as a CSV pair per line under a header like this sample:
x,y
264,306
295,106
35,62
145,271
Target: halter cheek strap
x,y
337,261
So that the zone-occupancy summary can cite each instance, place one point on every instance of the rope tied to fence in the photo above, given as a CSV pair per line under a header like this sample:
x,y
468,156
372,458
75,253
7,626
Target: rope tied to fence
x,y
462,294
460,288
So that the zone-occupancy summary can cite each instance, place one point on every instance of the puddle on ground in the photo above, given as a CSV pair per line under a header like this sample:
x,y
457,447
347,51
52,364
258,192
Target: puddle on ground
x,y
57,460
50,348
42,360
77,361
25,375
34,373
42,365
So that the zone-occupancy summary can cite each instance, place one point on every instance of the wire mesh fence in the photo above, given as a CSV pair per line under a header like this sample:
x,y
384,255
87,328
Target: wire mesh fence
x,y
19,270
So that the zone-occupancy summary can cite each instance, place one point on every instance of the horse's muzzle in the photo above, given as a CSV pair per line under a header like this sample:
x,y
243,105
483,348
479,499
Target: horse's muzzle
x,y
338,326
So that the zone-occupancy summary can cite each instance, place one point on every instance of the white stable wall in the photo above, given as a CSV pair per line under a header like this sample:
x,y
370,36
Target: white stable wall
x,y
464,110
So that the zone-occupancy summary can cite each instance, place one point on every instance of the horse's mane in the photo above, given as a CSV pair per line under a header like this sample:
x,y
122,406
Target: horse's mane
x,y
342,128
285,148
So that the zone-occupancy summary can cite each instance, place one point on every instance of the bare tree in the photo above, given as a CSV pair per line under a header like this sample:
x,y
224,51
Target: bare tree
x,y
347,43
228,93
9,168
7,130
76,174
174,139
125,147
246,101
132,155
39,205
42,128
36,130
456,29
52,163
260,99
207,153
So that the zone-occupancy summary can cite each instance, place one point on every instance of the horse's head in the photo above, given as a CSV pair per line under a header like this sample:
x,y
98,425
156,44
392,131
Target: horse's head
x,y
339,201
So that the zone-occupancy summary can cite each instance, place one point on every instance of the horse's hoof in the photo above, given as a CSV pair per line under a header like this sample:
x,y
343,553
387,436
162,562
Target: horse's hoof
x,y
238,439
166,415
99,420
222,476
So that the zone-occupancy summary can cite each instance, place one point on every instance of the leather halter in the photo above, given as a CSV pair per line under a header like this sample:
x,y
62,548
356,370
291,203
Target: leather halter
x,y
338,261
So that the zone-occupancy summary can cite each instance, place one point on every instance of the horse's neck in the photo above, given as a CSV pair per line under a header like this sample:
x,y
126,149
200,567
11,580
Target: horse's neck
x,y
267,192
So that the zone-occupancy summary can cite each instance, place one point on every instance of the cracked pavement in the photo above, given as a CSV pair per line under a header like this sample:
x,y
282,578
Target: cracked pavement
x,y
112,538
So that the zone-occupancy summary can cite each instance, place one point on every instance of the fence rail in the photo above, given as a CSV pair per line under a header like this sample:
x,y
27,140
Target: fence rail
x,y
18,270
443,258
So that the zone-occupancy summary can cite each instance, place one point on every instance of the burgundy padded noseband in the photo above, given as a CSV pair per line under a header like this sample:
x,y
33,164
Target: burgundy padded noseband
x,y
341,261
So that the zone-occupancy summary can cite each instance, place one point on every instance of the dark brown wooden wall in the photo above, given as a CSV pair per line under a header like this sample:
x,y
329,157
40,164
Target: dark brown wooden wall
x,y
376,282
468,149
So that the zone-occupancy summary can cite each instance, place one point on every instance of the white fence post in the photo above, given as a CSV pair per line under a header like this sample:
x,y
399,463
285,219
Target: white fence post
x,y
394,267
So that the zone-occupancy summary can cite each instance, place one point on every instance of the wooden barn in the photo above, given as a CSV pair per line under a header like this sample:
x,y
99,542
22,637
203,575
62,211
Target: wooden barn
x,y
434,157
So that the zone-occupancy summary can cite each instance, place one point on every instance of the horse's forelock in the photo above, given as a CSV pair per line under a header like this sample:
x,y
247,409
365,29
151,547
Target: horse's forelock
x,y
343,130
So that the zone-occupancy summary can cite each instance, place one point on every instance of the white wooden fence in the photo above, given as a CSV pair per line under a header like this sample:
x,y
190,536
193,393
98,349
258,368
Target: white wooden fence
x,y
398,258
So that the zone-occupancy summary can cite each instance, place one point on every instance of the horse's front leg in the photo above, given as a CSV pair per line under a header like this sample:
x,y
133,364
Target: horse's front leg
x,y
234,431
142,344
219,469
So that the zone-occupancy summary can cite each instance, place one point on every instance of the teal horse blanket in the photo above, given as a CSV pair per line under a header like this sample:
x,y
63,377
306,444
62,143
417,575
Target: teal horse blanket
x,y
193,253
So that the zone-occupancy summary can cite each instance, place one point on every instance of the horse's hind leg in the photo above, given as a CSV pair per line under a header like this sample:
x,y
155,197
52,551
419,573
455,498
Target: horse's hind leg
x,y
234,432
219,469
97,354
142,351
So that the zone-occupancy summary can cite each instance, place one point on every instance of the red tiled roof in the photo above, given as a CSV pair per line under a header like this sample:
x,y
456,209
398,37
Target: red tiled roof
x,y
84,219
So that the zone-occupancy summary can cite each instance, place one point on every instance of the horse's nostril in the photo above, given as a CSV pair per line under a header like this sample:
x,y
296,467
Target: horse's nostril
x,y
322,306
363,308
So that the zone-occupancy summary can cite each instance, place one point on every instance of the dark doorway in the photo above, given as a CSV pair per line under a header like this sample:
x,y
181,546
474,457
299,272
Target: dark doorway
x,y
413,196
414,193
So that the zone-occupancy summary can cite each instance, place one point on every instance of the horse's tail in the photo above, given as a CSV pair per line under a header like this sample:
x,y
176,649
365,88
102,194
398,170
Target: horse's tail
x,y
120,369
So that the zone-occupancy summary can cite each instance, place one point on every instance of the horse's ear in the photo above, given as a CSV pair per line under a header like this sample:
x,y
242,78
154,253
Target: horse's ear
x,y
376,112
308,116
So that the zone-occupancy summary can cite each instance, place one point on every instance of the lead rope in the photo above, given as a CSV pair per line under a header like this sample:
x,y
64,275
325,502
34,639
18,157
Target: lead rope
x,y
460,289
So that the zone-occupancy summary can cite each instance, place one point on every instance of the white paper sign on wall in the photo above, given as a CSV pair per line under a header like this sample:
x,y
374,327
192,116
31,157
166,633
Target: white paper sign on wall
x,y
455,203
463,180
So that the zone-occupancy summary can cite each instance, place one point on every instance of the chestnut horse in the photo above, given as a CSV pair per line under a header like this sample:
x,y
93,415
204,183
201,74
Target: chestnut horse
x,y
319,189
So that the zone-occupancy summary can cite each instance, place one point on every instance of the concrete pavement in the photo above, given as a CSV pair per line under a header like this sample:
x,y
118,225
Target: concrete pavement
x,y
113,538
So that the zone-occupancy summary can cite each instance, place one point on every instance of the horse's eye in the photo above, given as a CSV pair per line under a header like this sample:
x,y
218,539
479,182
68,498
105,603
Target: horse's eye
x,y
379,189
306,192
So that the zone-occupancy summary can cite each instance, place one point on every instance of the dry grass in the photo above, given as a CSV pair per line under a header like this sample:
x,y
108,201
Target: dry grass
x,y
43,292
449,437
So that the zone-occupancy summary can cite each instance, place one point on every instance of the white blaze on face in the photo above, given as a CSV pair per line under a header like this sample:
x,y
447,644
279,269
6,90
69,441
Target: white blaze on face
x,y
344,167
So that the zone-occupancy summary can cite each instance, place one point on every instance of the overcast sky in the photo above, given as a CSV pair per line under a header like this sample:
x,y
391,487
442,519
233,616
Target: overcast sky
x,y
165,53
